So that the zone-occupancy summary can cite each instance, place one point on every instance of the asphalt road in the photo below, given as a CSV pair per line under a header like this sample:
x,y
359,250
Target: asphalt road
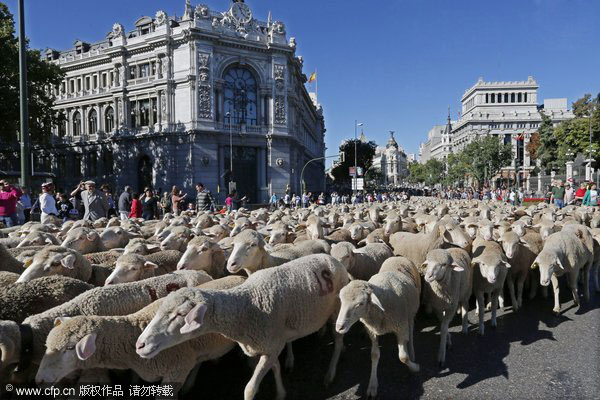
x,y
532,354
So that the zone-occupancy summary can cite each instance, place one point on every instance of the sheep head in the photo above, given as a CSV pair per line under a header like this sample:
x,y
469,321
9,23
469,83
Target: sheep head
x,y
199,255
177,239
130,268
84,240
356,298
69,344
344,253
10,348
437,265
392,224
548,263
53,260
248,252
115,237
491,267
510,243
36,238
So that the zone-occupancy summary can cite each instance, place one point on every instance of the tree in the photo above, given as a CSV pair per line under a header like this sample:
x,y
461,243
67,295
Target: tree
x,y
365,153
581,107
458,169
534,143
546,151
485,157
573,136
374,177
40,77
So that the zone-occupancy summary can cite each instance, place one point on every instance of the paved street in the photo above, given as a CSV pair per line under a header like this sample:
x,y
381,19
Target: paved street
x,y
531,355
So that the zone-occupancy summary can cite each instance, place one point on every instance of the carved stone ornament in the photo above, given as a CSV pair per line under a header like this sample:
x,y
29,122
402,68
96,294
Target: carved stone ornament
x,y
205,160
278,28
292,43
203,67
204,102
279,162
120,111
163,101
161,18
202,11
280,114
279,75
117,29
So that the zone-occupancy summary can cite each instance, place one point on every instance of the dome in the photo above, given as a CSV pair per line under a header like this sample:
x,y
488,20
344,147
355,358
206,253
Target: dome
x,y
391,141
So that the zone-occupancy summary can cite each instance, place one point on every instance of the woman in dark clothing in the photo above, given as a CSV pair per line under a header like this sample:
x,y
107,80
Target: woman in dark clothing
x,y
149,205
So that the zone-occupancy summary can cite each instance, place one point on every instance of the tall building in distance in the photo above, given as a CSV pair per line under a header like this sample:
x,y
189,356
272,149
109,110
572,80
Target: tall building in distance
x,y
158,106
503,109
391,160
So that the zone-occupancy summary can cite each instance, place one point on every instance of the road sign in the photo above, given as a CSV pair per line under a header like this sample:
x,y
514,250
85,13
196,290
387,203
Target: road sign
x,y
351,171
360,184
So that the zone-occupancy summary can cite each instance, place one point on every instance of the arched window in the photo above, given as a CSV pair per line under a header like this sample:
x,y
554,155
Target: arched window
x,y
240,96
76,123
92,122
109,119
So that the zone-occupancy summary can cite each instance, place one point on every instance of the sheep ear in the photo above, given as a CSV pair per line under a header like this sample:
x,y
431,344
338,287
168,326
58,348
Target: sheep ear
x,y
375,301
150,265
535,265
559,263
91,236
60,320
48,241
194,319
507,265
153,248
457,268
86,347
68,262
447,236
27,262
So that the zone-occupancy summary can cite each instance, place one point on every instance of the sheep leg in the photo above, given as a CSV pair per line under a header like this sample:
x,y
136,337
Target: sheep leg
x,y
411,343
495,296
520,284
443,341
338,344
464,310
554,280
480,307
402,338
596,275
265,363
373,383
586,281
511,290
278,381
190,380
533,286
289,357
572,284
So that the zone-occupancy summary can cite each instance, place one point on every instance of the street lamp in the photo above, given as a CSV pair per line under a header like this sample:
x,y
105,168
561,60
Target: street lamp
x,y
231,183
356,125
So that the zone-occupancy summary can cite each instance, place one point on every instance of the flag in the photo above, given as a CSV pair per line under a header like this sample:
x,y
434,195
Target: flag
x,y
313,77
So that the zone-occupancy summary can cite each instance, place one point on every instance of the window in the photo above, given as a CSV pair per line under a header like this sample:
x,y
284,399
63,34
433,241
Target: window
x,y
506,97
95,82
534,125
72,84
76,123
508,126
520,126
525,97
144,70
144,111
109,120
507,138
240,96
494,126
87,83
132,72
92,122
107,157
519,97
512,97
104,79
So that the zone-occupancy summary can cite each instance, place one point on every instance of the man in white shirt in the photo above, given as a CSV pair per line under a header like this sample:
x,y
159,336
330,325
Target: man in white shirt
x,y
47,201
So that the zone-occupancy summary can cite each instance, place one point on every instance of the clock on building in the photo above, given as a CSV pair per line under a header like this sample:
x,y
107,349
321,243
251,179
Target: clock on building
x,y
241,13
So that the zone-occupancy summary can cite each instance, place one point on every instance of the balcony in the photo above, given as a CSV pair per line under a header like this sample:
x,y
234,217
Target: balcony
x,y
240,128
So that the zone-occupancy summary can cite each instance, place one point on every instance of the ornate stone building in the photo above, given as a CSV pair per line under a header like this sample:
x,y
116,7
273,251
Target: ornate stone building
x,y
156,106
391,160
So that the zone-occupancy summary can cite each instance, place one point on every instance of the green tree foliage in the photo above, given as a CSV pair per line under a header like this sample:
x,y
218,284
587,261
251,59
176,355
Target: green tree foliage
x,y
485,157
365,152
431,173
573,136
40,76
458,169
547,149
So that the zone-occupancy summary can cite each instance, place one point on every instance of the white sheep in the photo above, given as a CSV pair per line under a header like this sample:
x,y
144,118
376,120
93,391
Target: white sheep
x,y
37,238
177,239
84,240
134,267
273,307
387,303
364,262
203,254
448,284
57,260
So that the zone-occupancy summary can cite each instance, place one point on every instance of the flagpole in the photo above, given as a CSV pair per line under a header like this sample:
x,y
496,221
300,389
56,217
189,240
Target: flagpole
x,y
317,85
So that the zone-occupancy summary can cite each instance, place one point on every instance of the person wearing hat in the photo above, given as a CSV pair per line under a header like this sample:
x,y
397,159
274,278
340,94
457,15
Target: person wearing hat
x,y
47,202
94,202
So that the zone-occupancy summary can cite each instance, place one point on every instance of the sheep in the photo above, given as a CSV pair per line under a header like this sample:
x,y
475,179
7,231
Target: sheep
x,y
565,253
364,262
116,237
20,300
140,246
249,252
314,227
108,257
9,263
37,238
415,246
177,239
57,260
595,270
240,224
10,242
404,266
133,267
273,307
387,303
339,235
88,342
203,254
490,269
7,278
521,252
107,300
217,232
84,240
391,224
448,284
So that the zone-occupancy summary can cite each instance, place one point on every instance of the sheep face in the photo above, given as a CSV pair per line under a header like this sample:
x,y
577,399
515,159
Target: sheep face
x,y
277,236
38,239
197,257
81,239
343,253
247,251
51,261
548,265
177,311
10,342
392,225
357,232
356,298
492,270
486,231
453,234
114,237
177,239
139,246
240,224
510,243
67,348
471,230
437,266
130,268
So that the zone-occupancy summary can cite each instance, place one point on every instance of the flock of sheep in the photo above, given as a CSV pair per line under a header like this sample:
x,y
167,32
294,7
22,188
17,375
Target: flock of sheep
x,y
160,297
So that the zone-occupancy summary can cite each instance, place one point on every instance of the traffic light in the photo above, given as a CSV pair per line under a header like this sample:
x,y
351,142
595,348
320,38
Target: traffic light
x,y
342,156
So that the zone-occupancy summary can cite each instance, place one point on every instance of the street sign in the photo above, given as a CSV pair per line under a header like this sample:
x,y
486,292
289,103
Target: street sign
x,y
352,171
360,184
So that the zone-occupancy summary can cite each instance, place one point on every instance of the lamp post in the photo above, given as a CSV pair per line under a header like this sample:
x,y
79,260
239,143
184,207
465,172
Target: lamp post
x,y
231,183
356,125
25,167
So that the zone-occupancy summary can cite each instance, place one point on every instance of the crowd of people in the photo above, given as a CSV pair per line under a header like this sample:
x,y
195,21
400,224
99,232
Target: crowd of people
x,y
562,194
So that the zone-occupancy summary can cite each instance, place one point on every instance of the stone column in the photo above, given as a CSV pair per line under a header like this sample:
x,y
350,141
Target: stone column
x,y
569,170
539,182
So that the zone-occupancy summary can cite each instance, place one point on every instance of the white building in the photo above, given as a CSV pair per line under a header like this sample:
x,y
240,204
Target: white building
x,y
155,106
439,142
391,160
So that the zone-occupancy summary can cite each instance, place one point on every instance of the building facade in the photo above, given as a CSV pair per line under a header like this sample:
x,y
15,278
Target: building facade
x,y
391,160
507,110
159,106
439,142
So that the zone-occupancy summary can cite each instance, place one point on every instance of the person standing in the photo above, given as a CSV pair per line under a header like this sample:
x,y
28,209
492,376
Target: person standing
x,y
25,201
94,202
125,203
9,196
47,202
64,207
558,194
110,201
149,205
204,200
176,199
136,206
569,194
591,196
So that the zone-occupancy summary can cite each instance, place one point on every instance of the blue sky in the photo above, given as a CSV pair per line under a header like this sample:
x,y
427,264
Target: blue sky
x,y
393,65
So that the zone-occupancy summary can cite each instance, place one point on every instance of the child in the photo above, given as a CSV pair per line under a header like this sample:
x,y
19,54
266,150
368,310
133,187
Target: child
x,y
64,207
136,206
